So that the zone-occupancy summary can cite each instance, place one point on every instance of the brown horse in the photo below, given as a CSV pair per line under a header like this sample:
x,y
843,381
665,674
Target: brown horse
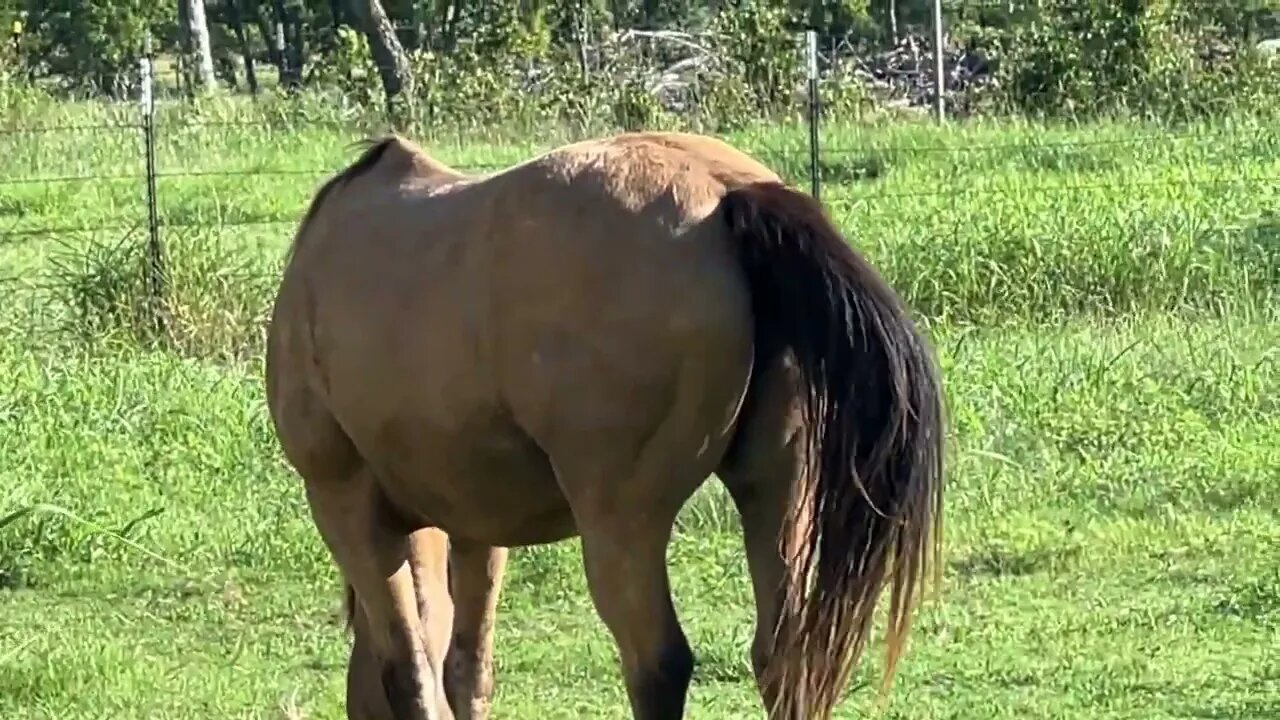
x,y
572,346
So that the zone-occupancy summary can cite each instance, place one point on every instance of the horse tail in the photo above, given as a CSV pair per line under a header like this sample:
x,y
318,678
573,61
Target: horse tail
x,y
866,510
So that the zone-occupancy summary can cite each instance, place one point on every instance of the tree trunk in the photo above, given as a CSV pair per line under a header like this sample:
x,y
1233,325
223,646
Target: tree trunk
x,y
414,36
199,50
393,62
236,20
339,12
449,37
581,28
650,19
426,25
291,43
298,44
274,56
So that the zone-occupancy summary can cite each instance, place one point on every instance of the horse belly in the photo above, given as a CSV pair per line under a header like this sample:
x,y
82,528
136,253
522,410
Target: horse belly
x,y
490,484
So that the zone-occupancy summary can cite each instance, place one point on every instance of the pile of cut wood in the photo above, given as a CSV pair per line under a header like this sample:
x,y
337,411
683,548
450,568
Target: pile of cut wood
x,y
903,75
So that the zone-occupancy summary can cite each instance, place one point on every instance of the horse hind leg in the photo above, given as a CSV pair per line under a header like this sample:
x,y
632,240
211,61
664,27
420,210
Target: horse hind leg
x,y
627,574
374,558
625,513
373,553
477,573
763,512
627,458
429,561
366,698
759,476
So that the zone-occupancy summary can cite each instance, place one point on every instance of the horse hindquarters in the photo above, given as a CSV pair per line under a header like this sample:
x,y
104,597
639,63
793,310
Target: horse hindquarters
x,y
626,479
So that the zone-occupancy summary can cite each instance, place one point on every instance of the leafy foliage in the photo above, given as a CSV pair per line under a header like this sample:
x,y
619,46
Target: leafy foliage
x,y
89,46
1149,58
576,61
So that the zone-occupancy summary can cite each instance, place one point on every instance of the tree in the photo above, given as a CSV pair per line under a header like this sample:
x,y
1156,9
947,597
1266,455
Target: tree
x,y
392,61
195,40
290,42
235,19
89,46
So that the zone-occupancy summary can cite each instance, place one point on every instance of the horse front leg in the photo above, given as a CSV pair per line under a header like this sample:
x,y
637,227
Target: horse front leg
x,y
476,577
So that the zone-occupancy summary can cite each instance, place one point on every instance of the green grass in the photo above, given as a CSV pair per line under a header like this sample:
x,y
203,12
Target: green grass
x,y
1103,300
1107,219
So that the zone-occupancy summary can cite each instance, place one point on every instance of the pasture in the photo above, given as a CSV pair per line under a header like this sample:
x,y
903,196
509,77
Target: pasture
x,y
1105,301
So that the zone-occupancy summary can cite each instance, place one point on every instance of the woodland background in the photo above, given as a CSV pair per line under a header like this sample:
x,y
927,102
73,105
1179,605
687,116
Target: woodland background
x,y
712,63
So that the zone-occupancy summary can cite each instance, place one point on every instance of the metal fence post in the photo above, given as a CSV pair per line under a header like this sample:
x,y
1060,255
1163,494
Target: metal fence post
x,y
157,275
811,37
939,64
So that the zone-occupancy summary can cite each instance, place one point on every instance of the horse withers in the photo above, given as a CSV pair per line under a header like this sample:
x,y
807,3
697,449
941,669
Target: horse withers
x,y
457,365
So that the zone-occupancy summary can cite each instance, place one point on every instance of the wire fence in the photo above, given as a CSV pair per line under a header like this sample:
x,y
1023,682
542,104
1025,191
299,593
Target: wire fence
x,y
145,175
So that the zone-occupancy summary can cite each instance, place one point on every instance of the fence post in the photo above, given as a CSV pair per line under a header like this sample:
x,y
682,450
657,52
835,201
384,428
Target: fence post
x,y
281,48
811,37
939,64
156,270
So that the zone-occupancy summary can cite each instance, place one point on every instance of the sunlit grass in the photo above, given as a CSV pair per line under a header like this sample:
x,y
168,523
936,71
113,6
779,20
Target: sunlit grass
x,y
1104,304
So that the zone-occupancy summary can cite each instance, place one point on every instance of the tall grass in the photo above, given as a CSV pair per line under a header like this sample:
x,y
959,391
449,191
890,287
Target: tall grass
x,y
983,223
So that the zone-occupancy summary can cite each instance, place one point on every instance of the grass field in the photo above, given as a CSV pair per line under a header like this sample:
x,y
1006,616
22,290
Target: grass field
x,y
1106,304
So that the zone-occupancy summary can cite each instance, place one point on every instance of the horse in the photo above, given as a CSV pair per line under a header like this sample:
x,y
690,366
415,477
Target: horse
x,y
459,364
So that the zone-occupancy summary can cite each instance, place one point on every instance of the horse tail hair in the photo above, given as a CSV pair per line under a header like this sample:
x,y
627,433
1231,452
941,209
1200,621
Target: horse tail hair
x,y
866,509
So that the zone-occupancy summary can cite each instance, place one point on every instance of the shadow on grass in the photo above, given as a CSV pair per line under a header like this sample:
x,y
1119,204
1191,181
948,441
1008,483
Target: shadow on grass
x,y
1003,562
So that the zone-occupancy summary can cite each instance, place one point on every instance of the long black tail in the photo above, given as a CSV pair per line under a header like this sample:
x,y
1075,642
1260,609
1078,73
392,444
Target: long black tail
x,y
867,509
